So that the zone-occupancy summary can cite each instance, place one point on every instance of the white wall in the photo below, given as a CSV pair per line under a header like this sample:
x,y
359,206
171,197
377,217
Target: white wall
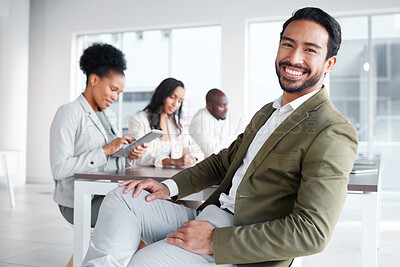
x,y
4,9
53,23
14,48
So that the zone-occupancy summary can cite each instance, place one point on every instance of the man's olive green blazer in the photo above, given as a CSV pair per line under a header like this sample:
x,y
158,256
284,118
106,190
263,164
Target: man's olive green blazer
x,y
292,194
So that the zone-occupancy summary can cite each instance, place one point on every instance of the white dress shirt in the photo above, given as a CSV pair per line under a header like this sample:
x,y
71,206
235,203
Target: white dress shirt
x,y
211,134
277,117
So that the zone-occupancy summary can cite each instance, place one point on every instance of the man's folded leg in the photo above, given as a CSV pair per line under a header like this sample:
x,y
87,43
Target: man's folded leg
x,y
124,220
163,254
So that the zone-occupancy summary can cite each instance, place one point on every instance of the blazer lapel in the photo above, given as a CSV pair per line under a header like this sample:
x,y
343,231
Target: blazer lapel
x,y
261,117
252,128
298,116
92,115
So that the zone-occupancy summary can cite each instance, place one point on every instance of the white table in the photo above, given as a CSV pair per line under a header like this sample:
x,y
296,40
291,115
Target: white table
x,y
363,195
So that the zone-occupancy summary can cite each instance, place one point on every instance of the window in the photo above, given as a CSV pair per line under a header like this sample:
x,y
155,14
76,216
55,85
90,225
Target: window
x,y
364,84
349,79
196,60
191,55
385,35
263,45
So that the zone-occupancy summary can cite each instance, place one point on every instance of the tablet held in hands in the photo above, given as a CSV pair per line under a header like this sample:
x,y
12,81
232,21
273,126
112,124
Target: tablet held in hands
x,y
126,149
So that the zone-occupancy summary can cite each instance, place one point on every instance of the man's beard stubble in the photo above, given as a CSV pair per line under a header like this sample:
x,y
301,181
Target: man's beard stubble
x,y
310,82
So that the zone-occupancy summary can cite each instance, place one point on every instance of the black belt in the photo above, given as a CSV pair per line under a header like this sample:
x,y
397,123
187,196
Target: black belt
x,y
228,211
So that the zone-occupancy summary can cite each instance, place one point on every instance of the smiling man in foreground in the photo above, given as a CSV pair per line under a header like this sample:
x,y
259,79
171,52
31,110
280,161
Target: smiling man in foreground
x,y
282,183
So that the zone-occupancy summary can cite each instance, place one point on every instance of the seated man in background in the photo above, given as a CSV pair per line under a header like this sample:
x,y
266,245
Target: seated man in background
x,y
210,127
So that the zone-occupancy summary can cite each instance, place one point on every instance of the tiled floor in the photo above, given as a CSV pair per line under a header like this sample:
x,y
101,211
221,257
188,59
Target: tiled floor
x,y
35,234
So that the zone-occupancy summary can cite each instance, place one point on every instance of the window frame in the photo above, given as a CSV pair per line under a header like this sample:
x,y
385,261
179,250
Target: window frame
x,y
77,43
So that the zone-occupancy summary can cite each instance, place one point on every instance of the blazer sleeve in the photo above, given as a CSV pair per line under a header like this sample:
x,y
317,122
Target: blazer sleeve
x,y
215,168
209,172
325,171
64,163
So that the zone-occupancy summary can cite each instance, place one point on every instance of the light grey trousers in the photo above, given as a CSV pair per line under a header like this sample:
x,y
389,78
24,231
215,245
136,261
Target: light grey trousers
x,y
124,220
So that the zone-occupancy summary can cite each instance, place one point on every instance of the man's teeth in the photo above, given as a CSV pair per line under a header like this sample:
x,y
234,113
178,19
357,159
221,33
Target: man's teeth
x,y
293,72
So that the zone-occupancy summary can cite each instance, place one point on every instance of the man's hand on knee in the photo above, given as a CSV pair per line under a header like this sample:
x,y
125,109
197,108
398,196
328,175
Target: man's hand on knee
x,y
193,236
158,190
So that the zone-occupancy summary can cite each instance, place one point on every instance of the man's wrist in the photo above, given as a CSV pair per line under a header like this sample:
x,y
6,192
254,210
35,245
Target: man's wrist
x,y
172,187
169,191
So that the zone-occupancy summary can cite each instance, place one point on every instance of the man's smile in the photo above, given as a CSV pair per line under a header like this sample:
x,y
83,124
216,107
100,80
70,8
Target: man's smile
x,y
293,72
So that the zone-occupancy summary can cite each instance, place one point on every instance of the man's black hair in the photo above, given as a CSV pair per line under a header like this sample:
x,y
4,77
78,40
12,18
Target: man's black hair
x,y
212,94
325,20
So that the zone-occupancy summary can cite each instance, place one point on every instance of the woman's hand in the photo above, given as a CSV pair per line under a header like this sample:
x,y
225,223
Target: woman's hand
x,y
116,144
138,152
186,160
158,190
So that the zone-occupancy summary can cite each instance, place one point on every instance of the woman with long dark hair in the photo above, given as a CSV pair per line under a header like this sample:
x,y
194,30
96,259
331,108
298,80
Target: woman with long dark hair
x,y
84,134
174,148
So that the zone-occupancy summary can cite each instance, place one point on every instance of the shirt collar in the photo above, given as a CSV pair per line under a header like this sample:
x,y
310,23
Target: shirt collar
x,y
295,103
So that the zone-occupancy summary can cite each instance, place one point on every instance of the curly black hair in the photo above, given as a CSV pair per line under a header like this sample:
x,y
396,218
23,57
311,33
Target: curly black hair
x,y
100,59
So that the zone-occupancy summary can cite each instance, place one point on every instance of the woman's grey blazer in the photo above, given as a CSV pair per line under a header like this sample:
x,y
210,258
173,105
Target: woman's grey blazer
x,y
77,138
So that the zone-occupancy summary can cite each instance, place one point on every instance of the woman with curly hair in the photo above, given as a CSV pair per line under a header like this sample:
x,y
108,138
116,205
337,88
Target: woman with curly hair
x,y
84,135
174,148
